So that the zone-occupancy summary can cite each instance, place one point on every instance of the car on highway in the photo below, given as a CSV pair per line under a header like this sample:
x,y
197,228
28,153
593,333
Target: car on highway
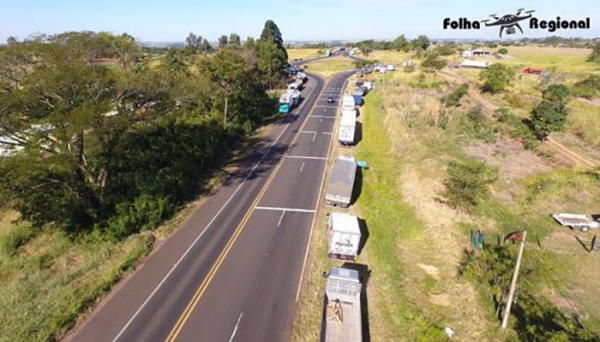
x,y
330,100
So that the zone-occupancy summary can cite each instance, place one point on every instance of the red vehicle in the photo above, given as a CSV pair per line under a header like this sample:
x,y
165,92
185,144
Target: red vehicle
x,y
535,71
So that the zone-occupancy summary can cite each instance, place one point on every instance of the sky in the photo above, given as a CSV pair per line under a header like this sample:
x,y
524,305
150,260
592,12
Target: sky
x,y
173,20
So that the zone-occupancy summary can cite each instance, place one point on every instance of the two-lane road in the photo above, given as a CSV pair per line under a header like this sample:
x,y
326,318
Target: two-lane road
x,y
232,272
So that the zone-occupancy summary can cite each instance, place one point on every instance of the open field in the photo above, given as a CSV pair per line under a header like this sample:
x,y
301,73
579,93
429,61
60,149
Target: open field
x,y
302,53
328,67
388,57
47,279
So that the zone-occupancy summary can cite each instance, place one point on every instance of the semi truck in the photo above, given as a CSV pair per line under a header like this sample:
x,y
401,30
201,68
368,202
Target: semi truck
x,y
344,236
285,103
342,321
296,85
348,102
357,95
341,182
475,64
347,127
289,100
301,76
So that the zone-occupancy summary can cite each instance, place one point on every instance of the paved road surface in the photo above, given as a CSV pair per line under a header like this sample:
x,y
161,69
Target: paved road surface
x,y
232,272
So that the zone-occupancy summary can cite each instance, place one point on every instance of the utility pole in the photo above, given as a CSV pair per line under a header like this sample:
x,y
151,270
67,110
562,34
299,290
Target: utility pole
x,y
513,283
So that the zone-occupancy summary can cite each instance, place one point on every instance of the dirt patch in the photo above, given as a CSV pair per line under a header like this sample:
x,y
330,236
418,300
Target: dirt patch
x,y
440,299
511,159
433,271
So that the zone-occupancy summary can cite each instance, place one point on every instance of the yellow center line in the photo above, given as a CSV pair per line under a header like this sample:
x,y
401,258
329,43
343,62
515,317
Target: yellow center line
x,y
204,285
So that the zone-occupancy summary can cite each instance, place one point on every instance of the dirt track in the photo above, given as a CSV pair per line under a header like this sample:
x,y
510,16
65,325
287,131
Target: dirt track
x,y
550,143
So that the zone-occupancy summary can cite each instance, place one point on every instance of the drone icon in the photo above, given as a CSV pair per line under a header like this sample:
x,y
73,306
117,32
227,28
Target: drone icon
x,y
509,21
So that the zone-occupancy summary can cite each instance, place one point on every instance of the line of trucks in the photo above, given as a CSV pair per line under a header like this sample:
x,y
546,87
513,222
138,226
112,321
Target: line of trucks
x,y
291,98
342,315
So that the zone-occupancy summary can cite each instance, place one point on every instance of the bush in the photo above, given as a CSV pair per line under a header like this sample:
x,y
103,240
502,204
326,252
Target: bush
x,y
551,114
15,238
409,68
515,127
496,78
453,99
502,51
146,212
477,115
467,183
587,88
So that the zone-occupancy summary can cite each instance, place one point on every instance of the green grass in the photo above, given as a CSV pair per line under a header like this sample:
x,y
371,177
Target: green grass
x,y
391,223
328,67
47,280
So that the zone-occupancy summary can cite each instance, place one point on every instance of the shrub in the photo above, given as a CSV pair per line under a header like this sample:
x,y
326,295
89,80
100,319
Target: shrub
x,y
550,115
587,88
496,78
502,51
453,99
409,68
467,183
145,213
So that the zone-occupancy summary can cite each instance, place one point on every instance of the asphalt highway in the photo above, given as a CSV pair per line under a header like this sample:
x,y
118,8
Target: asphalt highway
x,y
232,272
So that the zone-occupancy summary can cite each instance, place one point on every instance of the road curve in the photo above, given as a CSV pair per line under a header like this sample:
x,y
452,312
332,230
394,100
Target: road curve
x,y
232,271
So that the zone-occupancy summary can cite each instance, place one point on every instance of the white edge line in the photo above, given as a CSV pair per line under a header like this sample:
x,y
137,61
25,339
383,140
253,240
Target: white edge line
x,y
236,327
304,157
195,240
312,227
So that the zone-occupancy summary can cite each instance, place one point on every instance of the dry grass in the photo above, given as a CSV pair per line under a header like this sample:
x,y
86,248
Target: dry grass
x,y
302,53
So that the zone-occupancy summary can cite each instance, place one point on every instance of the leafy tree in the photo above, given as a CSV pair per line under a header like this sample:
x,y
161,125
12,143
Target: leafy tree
x,y
234,40
401,43
496,78
502,51
433,63
271,62
551,113
421,43
228,70
206,47
250,43
193,43
223,41
272,57
595,54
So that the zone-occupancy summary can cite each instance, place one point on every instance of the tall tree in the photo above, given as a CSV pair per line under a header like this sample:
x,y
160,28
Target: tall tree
x,y
193,43
223,41
271,62
227,69
271,31
234,40
400,43
272,57
206,47
421,43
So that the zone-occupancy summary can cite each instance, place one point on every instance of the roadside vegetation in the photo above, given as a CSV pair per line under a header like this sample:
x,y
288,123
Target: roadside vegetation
x,y
330,66
104,143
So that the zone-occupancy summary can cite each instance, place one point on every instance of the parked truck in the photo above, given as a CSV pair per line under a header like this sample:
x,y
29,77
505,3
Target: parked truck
x,y
357,95
296,85
301,76
296,95
348,102
347,127
341,182
344,236
342,321
475,64
285,103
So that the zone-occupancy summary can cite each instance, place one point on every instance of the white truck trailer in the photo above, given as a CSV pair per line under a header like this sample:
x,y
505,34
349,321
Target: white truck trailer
x,y
342,321
347,127
341,182
344,236
475,64
576,221
348,102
